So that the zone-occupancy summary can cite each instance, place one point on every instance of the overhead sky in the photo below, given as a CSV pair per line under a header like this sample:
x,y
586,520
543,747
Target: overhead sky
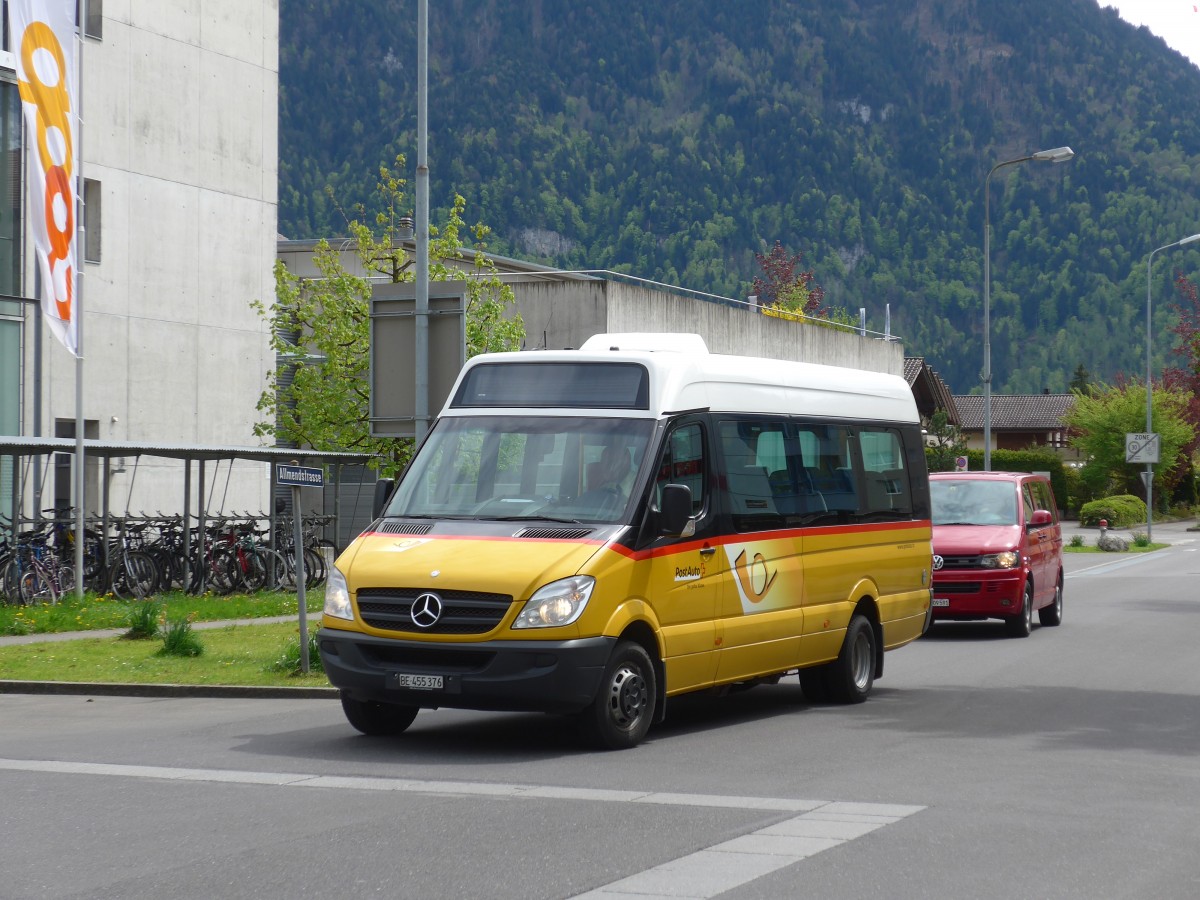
x,y
1175,21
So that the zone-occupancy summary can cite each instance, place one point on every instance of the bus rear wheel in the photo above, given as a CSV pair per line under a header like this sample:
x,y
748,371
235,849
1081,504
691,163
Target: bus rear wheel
x,y
850,677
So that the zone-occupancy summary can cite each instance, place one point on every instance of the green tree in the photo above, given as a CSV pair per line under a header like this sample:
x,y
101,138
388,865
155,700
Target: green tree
x,y
945,442
319,396
1099,422
1080,381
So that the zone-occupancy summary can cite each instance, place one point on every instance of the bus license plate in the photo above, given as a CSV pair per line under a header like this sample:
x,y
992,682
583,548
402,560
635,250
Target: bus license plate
x,y
941,601
417,682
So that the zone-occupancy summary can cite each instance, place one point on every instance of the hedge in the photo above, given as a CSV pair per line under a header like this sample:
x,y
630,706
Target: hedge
x,y
1121,511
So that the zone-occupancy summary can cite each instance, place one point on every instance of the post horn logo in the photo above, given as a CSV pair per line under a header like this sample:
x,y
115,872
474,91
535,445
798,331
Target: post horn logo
x,y
754,577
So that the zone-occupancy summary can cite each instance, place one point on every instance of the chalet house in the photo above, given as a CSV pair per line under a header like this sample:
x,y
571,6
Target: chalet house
x,y
1019,421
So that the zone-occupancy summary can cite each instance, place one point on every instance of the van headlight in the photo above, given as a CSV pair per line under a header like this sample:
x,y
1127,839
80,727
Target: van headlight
x,y
557,603
337,595
1009,559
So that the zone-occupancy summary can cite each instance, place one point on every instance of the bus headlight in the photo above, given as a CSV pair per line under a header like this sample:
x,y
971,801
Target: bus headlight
x,y
557,603
337,596
1009,559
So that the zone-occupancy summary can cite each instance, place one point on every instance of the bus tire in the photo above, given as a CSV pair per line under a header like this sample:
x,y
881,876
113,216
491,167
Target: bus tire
x,y
624,707
852,674
378,719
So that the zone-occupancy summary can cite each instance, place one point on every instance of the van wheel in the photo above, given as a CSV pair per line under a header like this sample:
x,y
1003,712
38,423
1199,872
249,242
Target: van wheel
x,y
621,714
852,674
1052,614
378,719
1021,624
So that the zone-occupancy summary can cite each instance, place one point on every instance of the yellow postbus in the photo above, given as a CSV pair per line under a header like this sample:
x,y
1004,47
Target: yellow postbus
x,y
595,531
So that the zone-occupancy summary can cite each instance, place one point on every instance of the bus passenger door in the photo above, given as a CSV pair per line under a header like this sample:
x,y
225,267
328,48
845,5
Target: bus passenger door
x,y
684,575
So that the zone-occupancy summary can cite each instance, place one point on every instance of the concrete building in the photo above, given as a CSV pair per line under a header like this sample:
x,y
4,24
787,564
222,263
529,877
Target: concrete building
x,y
563,309
179,153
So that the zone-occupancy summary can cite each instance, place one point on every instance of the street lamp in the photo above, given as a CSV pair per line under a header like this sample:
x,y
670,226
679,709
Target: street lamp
x,y
1057,155
1149,476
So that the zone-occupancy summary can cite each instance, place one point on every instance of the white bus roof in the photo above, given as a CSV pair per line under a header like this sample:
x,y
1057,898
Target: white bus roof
x,y
683,375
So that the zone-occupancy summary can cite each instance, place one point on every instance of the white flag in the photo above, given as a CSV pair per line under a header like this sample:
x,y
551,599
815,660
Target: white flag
x,y
43,43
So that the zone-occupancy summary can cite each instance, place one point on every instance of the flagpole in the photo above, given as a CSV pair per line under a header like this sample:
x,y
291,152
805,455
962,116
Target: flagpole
x,y
81,236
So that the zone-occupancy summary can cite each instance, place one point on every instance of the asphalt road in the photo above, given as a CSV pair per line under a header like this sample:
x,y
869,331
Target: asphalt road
x,y
1061,765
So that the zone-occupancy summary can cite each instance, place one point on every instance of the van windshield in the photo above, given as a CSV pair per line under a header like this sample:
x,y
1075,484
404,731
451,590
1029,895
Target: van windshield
x,y
556,468
970,502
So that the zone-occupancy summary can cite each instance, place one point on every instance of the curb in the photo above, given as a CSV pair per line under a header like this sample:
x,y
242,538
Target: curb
x,y
215,691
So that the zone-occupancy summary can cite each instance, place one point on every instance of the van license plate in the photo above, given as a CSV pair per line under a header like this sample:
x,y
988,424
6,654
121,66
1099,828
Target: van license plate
x,y
417,682
941,601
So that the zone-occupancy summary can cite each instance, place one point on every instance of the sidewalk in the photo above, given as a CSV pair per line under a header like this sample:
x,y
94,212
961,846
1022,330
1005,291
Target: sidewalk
x,y
14,639
1183,531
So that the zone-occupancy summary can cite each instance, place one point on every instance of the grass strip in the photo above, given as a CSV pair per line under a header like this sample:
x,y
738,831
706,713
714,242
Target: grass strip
x,y
233,655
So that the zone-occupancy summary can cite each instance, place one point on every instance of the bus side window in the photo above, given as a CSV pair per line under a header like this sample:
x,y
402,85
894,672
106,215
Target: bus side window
x,y
683,462
887,484
755,471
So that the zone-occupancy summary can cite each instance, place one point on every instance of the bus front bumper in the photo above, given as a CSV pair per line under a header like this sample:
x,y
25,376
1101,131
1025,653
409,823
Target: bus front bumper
x,y
538,676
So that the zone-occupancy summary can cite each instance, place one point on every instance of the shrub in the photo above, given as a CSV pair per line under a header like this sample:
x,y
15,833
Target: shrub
x,y
1121,511
142,620
179,639
1077,540
289,660
1141,539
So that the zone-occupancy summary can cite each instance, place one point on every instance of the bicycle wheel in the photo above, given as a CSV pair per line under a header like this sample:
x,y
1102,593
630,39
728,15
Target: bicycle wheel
x,y
314,568
37,587
133,576
275,568
253,568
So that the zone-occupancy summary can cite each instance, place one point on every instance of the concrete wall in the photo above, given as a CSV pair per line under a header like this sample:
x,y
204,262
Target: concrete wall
x,y
180,102
565,314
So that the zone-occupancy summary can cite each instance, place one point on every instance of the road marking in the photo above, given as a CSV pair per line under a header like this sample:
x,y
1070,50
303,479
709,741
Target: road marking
x,y
820,824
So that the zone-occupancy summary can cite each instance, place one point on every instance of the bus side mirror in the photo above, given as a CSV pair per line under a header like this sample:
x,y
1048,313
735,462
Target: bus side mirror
x,y
383,490
675,513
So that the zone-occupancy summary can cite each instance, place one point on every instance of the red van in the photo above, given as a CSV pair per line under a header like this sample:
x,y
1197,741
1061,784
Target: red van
x,y
997,548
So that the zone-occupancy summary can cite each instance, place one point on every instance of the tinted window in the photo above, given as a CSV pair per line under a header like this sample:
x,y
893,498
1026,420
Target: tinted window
x,y
884,476
781,473
683,462
555,384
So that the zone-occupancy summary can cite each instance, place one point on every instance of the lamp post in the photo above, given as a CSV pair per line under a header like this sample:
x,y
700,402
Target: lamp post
x,y
1149,476
1057,155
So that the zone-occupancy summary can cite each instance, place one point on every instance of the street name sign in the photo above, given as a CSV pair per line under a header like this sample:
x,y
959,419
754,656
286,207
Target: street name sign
x,y
300,476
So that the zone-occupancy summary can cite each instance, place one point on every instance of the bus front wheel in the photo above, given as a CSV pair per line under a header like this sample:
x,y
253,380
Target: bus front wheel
x,y
621,714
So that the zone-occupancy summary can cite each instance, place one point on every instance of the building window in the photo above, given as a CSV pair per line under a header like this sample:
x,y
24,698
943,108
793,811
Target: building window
x,y
91,220
91,12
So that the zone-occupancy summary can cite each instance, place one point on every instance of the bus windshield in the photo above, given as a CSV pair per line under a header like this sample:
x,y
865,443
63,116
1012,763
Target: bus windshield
x,y
555,468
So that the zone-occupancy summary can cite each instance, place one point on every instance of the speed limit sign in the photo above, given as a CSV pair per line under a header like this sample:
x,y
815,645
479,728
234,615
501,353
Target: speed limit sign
x,y
1141,448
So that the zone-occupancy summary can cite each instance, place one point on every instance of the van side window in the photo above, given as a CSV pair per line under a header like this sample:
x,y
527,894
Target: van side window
x,y
683,462
1028,501
884,475
756,472
1043,498
829,468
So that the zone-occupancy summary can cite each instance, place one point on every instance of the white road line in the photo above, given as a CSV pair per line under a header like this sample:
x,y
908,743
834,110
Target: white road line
x,y
820,825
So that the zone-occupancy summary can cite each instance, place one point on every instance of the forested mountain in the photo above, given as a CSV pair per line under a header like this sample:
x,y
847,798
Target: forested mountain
x,y
673,140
